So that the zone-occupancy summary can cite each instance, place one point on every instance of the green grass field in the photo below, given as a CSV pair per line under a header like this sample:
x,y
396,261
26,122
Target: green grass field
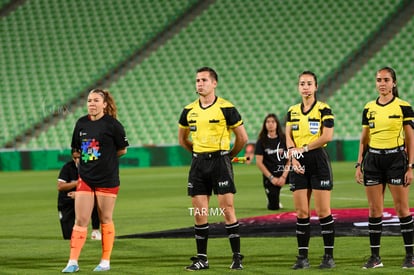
x,y
155,199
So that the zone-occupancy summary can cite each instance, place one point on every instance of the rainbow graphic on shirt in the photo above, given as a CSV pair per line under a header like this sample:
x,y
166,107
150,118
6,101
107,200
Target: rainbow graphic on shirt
x,y
90,150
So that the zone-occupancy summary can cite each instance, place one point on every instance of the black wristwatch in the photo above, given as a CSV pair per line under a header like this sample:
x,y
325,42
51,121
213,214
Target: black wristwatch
x,y
357,164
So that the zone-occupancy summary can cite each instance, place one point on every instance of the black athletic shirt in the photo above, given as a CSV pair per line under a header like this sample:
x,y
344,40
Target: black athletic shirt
x,y
68,173
98,142
274,154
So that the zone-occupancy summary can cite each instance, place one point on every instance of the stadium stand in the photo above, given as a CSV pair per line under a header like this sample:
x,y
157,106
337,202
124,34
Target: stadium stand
x,y
257,47
3,3
53,50
349,101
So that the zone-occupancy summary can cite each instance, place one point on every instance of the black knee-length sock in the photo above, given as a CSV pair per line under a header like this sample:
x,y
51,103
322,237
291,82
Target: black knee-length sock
x,y
375,232
406,225
328,234
201,237
234,237
303,235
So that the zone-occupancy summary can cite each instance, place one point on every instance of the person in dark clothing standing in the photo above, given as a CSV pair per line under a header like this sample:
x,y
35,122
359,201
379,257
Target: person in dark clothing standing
x,y
271,159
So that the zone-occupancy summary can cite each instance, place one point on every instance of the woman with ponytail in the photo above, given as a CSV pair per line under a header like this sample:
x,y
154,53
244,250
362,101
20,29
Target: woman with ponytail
x,y
100,139
385,158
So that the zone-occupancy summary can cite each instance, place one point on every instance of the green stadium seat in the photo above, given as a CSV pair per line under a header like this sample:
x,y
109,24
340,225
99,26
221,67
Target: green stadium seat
x,y
258,56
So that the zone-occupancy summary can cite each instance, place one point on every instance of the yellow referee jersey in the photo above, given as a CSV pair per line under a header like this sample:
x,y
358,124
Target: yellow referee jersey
x,y
386,122
307,127
210,127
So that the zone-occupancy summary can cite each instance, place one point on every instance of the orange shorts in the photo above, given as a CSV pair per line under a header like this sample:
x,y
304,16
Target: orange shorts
x,y
83,187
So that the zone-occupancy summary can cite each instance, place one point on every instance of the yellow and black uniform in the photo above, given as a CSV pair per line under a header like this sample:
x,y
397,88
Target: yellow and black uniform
x,y
386,160
210,129
306,128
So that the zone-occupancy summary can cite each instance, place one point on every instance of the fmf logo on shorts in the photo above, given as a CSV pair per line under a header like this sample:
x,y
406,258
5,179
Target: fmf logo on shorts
x,y
395,181
325,183
223,183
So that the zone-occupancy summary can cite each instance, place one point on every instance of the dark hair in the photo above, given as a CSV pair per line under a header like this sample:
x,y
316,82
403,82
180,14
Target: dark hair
x,y
312,74
394,79
212,72
111,108
279,130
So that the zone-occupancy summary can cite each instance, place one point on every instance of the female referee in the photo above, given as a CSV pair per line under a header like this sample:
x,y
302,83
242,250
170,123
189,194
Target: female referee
x,y
309,127
101,140
386,157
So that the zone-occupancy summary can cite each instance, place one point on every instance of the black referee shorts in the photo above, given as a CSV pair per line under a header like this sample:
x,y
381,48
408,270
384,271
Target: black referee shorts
x,y
318,172
384,166
211,172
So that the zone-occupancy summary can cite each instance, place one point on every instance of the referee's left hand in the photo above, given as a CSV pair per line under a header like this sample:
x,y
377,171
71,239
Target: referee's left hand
x,y
408,177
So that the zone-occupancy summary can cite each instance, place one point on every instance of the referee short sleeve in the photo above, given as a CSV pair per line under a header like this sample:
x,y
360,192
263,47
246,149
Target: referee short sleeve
x,y
183,118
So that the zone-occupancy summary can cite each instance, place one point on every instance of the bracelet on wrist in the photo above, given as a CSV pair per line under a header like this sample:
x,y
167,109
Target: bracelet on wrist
x,y
271,177
305,148
357,165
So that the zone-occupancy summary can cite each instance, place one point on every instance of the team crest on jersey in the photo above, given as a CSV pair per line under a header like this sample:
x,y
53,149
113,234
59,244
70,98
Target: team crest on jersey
x,y
314,127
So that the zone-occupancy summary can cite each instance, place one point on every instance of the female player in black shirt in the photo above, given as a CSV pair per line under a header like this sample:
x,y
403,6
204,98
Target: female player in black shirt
x,y
101,140
271,159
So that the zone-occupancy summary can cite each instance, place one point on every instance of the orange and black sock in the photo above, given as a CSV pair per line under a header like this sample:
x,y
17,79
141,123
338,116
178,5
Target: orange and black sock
x,y
108,238
77,241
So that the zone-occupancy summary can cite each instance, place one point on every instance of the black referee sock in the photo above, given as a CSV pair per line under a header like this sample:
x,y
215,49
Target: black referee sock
x,y
375,232
406,224
234,237
303,235
201,236
328,233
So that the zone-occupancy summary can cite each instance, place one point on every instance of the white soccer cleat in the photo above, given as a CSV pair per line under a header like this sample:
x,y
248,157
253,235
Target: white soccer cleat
x,y
96,235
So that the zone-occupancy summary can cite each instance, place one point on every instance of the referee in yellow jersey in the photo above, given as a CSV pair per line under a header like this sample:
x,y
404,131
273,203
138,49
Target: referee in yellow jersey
x,y
309,127
209,121
386,157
